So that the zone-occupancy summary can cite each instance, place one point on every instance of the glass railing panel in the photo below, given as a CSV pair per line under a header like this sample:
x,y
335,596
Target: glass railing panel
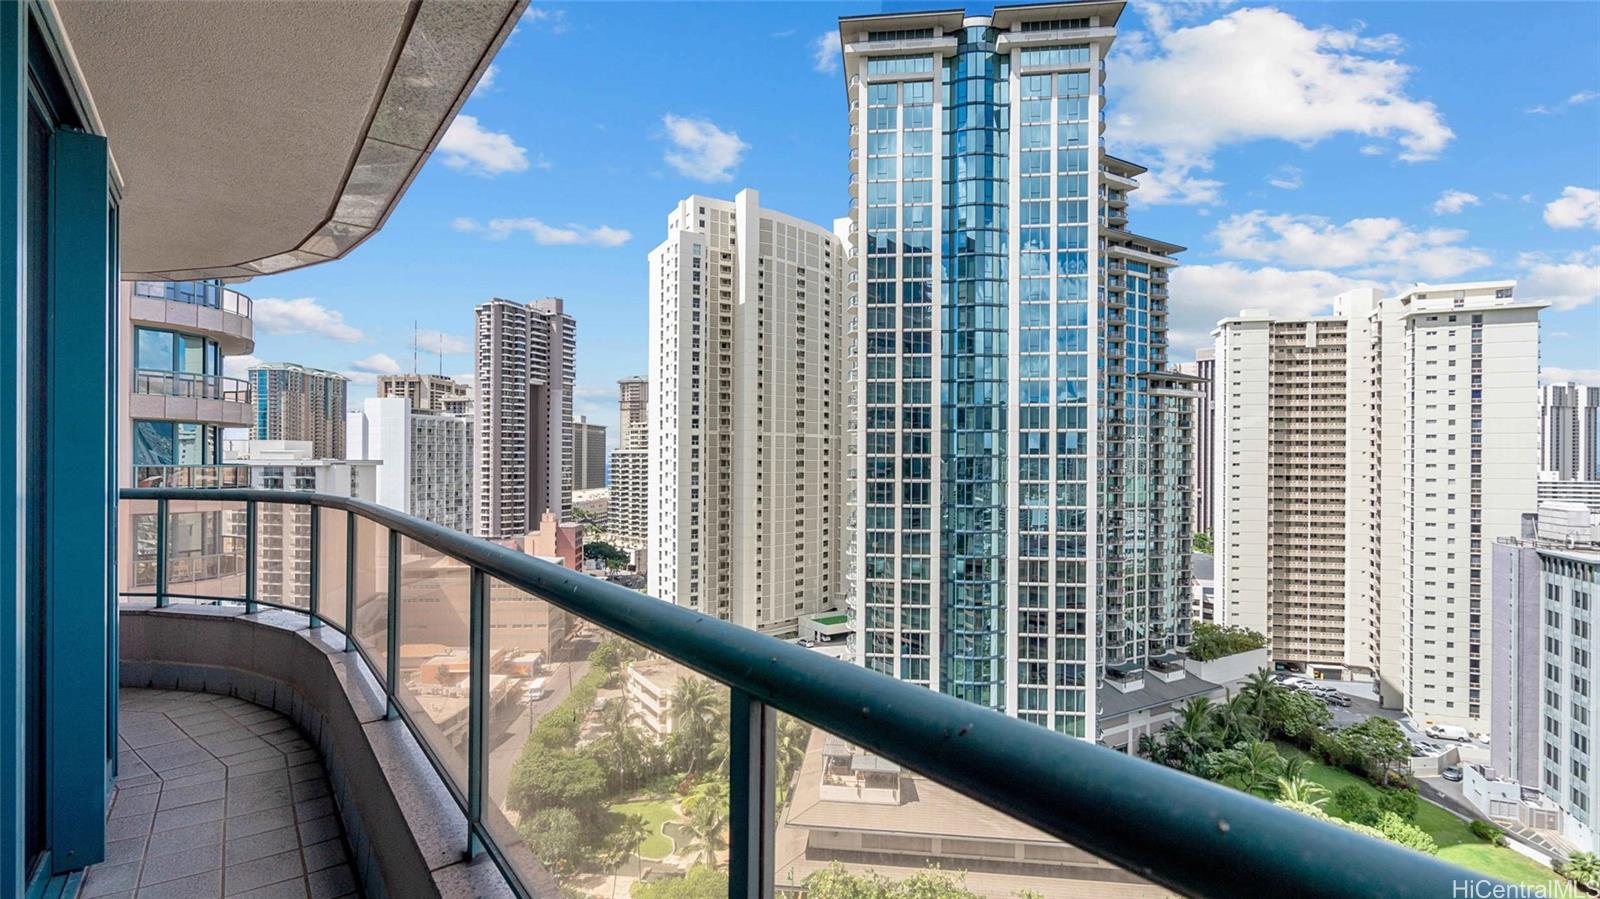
x,y
607,763
136,550
371,627
205,550
853,823
434,653
332,556
283,555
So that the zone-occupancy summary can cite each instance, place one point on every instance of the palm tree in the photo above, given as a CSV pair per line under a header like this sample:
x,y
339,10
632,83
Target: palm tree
x,y
1296,766
693,708
622,741
1193,734
1236,721
1260,688
631,833
1582,868
707,816
1298,789
1255,770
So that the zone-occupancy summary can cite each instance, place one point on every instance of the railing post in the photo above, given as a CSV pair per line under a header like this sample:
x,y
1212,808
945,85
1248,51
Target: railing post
x,y
316,577
392,657
752,796
250,557
349,581
477,707
161,553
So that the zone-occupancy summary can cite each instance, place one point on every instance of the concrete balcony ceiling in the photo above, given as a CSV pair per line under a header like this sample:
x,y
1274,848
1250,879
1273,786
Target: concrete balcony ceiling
x,y
255,137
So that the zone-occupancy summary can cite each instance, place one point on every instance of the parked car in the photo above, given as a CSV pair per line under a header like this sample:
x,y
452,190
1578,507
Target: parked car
x,y
1448,732
1426,750
1338,699
806,643
1451,773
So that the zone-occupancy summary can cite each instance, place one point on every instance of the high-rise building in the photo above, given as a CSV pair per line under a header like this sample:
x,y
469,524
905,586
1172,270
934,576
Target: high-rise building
x,y
295,402
283,532
1546,581
633,402
1202,474
744,428
1569,431
1586,493
1016,536
588,455
1363,461
628,517
427,393
424,458
525,372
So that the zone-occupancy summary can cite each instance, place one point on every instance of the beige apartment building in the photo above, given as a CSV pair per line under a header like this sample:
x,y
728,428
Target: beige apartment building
x,y
427,393
1363,462
744,429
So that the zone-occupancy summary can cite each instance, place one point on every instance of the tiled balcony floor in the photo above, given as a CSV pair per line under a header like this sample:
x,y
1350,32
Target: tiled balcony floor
x,y
218,797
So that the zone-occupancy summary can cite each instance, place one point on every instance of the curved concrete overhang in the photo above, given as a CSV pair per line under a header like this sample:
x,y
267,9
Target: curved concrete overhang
x,y
257,136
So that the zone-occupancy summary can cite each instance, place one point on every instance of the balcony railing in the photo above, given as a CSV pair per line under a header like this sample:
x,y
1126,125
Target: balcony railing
x,y
430,611
195,293
188,385
207,476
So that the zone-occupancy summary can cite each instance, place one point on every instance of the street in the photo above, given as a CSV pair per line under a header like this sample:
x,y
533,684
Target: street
x,y
507,745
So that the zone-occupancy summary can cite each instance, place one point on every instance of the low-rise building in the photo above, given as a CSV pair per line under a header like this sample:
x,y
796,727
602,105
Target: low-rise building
x,y
867,814
648,687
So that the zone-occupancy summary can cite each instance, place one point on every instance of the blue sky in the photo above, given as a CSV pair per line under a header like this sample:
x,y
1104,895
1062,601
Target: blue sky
x,y
1297,150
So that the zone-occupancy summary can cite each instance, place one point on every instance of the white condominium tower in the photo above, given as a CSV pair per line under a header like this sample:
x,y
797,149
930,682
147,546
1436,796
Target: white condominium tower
x,y
526,368
296,402
1365,463
628,513
1020,489
1569,432
424,458
744,424
1202,470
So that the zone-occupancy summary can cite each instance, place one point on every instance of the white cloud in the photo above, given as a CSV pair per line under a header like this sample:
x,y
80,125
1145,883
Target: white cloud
x,y
303,316
700,150
1258,74
1554,374
1453,201
1371,247
544,234
1577,207
1213,292
486,82
825,52
1372,150
1565,282
431,341
239,366
1577,99
552,20
470,147
1287,177
377,364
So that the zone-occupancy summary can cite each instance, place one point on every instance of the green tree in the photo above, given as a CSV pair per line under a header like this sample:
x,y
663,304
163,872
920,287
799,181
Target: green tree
x,y
1295,716
606,554
1252,767
1374,747
834,882
629,834
555,837
694,710
706,811
1356,803
1260,689
1203,542
558,779
702,882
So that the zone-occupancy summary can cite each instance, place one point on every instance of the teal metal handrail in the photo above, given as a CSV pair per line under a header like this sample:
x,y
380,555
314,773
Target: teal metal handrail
x,y
1185,833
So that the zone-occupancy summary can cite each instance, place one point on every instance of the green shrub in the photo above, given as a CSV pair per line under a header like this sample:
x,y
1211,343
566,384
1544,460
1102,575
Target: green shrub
x,y
1483,830
1212,641
1356,803
1401,800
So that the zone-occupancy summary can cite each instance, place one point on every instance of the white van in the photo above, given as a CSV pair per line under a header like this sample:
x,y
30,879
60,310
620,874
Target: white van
x,y
1449,732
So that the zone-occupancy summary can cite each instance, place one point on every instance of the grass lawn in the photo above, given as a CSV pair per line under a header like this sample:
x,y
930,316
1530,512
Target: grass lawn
x,y
1457,845
656,812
